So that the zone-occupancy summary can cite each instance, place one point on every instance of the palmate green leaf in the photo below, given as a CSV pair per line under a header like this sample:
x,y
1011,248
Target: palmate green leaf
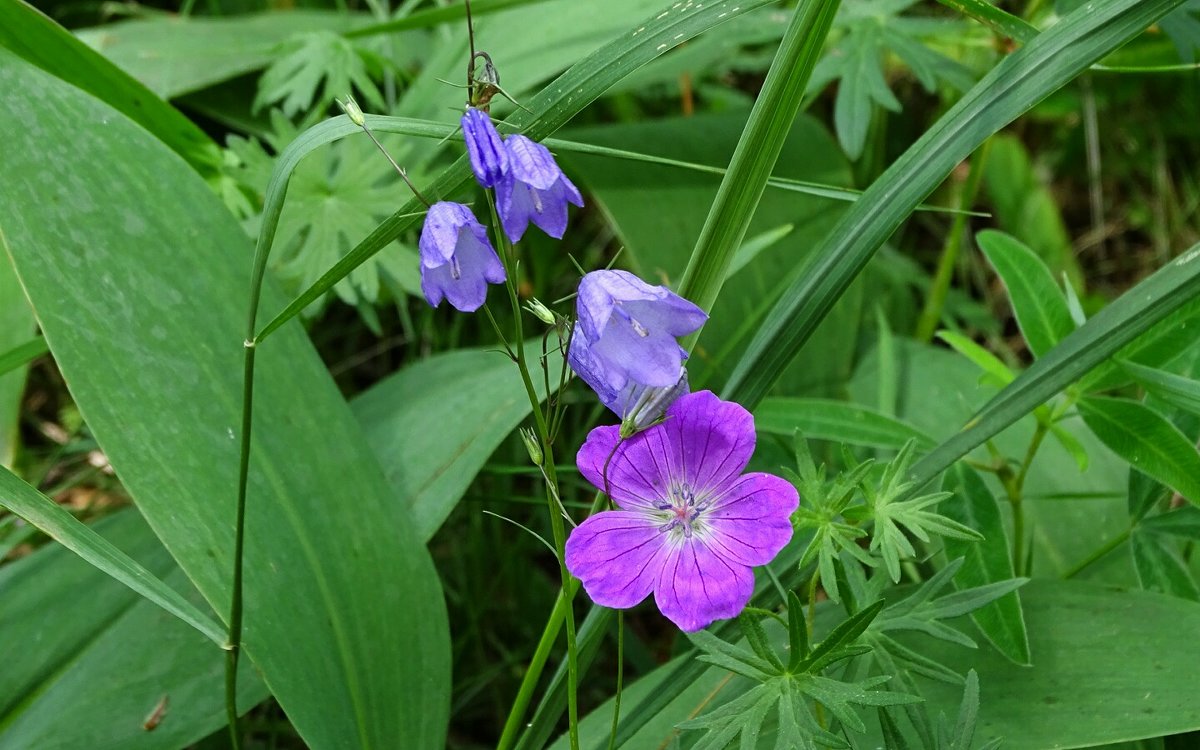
x,y
556,104
1037,302
985,561
174,56
1159,567
1016,84
870,30
312,60
1147,440
836,420
37,39
1110,647
334,197
87,660
56,522
344,612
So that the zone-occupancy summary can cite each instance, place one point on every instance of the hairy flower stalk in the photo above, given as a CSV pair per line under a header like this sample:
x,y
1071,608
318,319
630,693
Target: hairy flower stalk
x,y
691,526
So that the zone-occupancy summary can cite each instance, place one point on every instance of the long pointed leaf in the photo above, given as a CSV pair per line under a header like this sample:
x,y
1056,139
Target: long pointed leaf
x,y
1027,76
1134,313
141,301
78,537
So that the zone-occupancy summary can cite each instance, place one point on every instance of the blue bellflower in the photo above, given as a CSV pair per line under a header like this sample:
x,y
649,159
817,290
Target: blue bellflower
x,y
624,344
489,160
535,189
457,259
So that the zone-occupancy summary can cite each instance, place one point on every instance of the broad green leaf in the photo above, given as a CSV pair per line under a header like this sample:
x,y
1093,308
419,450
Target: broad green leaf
x,y
1105,649
16,327
56,522
1147,440
33,36
1037,302
344,612
1182,522
434,424
1021,80
1175,390
1160,569
1172,288
987,561
549,110
173,56
836,420
92,632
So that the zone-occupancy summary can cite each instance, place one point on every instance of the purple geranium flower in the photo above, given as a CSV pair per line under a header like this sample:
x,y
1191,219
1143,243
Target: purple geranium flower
x,y
624,339
691,525
489,160
457,259
535,189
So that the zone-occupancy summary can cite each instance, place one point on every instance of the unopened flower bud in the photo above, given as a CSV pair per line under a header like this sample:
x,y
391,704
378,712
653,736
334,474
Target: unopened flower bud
x,y
532,445
646,405
540,311
350,107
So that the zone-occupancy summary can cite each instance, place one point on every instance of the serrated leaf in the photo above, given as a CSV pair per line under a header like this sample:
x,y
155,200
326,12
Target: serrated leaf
x,y
844,634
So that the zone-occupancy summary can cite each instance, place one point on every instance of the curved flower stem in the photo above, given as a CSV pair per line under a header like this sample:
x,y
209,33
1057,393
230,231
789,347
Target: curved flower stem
x,y
508,255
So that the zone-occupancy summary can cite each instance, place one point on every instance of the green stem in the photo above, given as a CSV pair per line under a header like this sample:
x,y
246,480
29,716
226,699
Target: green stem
x,y
508,254
612,734
1103,550
931,314
516,715
1014,487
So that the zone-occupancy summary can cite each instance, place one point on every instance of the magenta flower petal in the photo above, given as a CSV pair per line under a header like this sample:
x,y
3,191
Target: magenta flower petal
x,y
697,585
635,476
617,555
751,522
691,528
713,440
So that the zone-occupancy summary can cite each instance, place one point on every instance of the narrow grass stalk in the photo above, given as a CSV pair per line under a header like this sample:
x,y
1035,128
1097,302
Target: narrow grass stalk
x,y
616,720
1095,556
758,149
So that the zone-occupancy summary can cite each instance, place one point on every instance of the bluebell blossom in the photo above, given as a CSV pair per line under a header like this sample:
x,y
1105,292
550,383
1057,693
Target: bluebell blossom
x,y
625,339
535,189
489,160
690,526
457,259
